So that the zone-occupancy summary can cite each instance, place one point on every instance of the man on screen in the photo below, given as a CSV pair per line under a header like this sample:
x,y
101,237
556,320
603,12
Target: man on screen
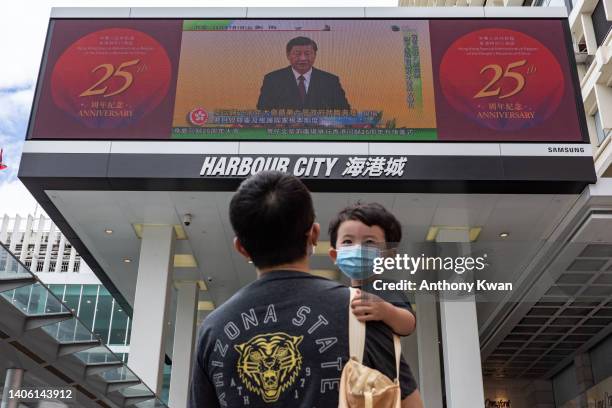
x,y
300,85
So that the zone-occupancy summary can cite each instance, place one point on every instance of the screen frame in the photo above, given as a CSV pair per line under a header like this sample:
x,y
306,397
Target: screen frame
x,y
582,122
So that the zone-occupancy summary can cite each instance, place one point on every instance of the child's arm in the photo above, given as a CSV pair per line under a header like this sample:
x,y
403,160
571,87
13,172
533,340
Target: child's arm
x,y
367,307
401,321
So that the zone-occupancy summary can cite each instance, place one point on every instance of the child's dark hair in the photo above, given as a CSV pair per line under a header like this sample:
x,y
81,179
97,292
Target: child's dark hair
x,y
370,214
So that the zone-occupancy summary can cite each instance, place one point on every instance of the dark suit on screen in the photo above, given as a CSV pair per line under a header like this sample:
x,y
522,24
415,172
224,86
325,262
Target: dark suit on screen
x,y
280,91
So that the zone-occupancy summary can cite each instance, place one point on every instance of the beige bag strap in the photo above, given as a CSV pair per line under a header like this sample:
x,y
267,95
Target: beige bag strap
x,y
357,337
369,400
357,332
397,348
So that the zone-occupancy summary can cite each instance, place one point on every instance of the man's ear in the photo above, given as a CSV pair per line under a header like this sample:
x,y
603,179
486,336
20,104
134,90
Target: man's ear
x,y
315,232
238,247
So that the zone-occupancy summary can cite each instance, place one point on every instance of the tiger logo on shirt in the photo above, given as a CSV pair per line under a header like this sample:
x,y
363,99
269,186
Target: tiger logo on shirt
x,y
269,364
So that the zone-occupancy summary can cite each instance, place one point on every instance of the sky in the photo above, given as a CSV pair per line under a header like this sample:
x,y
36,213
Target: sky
x,y
23,27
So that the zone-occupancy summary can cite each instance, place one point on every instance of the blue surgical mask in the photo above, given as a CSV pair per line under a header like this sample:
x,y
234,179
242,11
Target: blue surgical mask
x,y
356,261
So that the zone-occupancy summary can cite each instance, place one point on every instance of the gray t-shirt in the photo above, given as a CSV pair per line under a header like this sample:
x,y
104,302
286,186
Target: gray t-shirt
x,y
280,341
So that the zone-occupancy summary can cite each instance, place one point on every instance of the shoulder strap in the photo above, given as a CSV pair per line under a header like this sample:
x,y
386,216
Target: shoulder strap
x,y
357,337
397,348
357,332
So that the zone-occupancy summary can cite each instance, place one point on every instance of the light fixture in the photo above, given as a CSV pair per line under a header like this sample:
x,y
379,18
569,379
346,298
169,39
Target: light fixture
x,y
179,232
108,231
436,231
88,301
504,235
185,261
202,285
206,305
127,260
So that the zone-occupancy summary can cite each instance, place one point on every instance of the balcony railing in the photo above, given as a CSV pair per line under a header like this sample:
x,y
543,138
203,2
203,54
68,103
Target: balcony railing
x,y
601,25
45,333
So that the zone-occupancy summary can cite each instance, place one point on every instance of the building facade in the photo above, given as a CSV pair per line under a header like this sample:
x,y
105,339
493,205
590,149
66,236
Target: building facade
x,y
586,378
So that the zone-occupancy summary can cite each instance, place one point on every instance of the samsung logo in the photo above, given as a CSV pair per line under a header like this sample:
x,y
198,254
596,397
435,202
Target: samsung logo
x,y
566,150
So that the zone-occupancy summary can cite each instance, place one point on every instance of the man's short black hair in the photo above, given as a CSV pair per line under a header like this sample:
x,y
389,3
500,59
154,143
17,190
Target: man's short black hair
x,y
300,41
370,214
271,214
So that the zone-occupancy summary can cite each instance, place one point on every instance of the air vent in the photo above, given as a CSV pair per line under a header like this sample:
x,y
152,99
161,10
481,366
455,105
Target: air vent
x,y
541,311
548,337
525,329
575,311
604,313
555,330
538,321
519,337
598,321
587,330
574,278
597,251
604,279
597,291
550,304
584,304
587,265
578,338
566,321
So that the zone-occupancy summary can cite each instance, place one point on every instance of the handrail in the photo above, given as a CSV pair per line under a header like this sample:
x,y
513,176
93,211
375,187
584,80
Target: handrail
x,y
23,278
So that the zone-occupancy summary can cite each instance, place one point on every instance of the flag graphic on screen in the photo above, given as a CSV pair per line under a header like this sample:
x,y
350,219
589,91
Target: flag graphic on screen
x,y
2,165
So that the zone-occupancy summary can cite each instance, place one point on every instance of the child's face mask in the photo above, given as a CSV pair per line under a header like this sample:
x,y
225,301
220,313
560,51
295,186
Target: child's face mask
x,y
357,261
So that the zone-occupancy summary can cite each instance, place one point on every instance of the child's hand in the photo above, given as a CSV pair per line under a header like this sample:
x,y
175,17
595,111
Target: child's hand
x,y
366,306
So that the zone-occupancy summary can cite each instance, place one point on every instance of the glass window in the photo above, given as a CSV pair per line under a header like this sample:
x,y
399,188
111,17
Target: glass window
x,y
71,296
87,308
601,25
38,300
165,394
21,297
103,314
57,290
601,132
52,306
119,326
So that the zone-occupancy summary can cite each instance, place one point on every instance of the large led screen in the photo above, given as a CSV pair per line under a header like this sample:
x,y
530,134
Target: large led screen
x,y
346,79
